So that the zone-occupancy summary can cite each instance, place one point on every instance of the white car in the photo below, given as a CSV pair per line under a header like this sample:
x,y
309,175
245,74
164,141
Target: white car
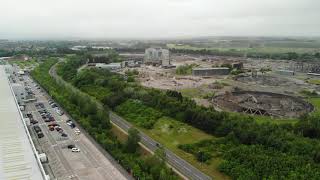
x,y
59,112
77,131
75,150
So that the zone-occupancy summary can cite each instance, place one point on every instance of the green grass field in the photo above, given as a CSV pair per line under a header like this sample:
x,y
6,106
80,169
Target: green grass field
x,y
171,133
264,119
315,101
314,81
192,92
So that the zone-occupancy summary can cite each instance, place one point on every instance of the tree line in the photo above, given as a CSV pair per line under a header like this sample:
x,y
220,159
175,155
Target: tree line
x,y
263,55
292,142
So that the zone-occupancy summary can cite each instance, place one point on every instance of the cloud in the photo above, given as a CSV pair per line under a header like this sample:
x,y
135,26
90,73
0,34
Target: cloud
x,y
157,18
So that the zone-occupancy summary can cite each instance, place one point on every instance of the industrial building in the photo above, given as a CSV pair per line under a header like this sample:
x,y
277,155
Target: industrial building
x,y
18,156
131,63
210,71
110,66
285,72
305,67
157,56
313,74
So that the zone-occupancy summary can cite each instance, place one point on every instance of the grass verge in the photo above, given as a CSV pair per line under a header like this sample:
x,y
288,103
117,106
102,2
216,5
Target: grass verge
x,y
171,133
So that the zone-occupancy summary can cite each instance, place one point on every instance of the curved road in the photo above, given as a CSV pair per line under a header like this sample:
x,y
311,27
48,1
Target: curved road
x,y
183,167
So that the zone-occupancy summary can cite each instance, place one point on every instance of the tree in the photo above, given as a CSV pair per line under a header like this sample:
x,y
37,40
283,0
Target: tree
x,y
90,108
132,142
203,156
161,154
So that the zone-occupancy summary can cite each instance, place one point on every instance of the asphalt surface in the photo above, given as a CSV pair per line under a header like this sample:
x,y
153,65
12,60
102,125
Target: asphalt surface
x,y
89,163
183,167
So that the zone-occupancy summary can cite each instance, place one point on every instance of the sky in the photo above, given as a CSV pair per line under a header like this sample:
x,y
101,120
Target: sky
x,y
50,19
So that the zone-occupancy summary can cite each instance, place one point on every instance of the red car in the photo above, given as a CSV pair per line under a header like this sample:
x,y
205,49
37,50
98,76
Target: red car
x,y
59,129
53,124
51,128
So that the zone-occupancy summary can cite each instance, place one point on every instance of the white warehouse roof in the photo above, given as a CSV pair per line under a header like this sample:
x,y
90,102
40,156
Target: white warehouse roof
x,y
17,154
214,68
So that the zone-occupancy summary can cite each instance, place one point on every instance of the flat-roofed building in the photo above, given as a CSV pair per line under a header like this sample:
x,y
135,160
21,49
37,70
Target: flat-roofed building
x,y
210,71
18,156
285,72
110,66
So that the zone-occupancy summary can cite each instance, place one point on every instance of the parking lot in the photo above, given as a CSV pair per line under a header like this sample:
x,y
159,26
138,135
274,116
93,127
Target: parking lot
x,y
82,159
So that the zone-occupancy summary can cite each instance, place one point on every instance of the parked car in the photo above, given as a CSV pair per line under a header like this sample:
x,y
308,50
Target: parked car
x,y
58,128
71,124
37,129
70,146
43,111
53,124
59,112
46,119
64,135
40,135
39,105
29,115
75,150
33,121
77,131
51,118
51,128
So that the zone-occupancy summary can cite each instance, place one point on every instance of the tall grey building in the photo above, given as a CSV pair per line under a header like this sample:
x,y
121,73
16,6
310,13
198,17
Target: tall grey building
x,y
157,56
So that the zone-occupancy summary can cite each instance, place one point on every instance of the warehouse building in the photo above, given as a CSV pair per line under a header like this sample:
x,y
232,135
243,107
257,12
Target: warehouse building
x,y
110,66
285,72
18,156
131,63
210,71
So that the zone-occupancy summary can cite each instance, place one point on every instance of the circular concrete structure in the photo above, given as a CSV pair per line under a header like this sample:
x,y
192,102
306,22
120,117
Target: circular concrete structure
x,y
263,103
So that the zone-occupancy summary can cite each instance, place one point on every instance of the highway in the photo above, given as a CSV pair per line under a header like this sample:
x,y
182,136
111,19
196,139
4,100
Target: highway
x,y
183,167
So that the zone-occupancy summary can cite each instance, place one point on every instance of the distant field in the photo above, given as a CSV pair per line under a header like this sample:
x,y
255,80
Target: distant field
x,y
266,49
315,101
314,81
264,119
192,92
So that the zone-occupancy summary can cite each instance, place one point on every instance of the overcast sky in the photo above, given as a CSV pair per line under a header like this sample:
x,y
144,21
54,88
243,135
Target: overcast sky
x,y
157,18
